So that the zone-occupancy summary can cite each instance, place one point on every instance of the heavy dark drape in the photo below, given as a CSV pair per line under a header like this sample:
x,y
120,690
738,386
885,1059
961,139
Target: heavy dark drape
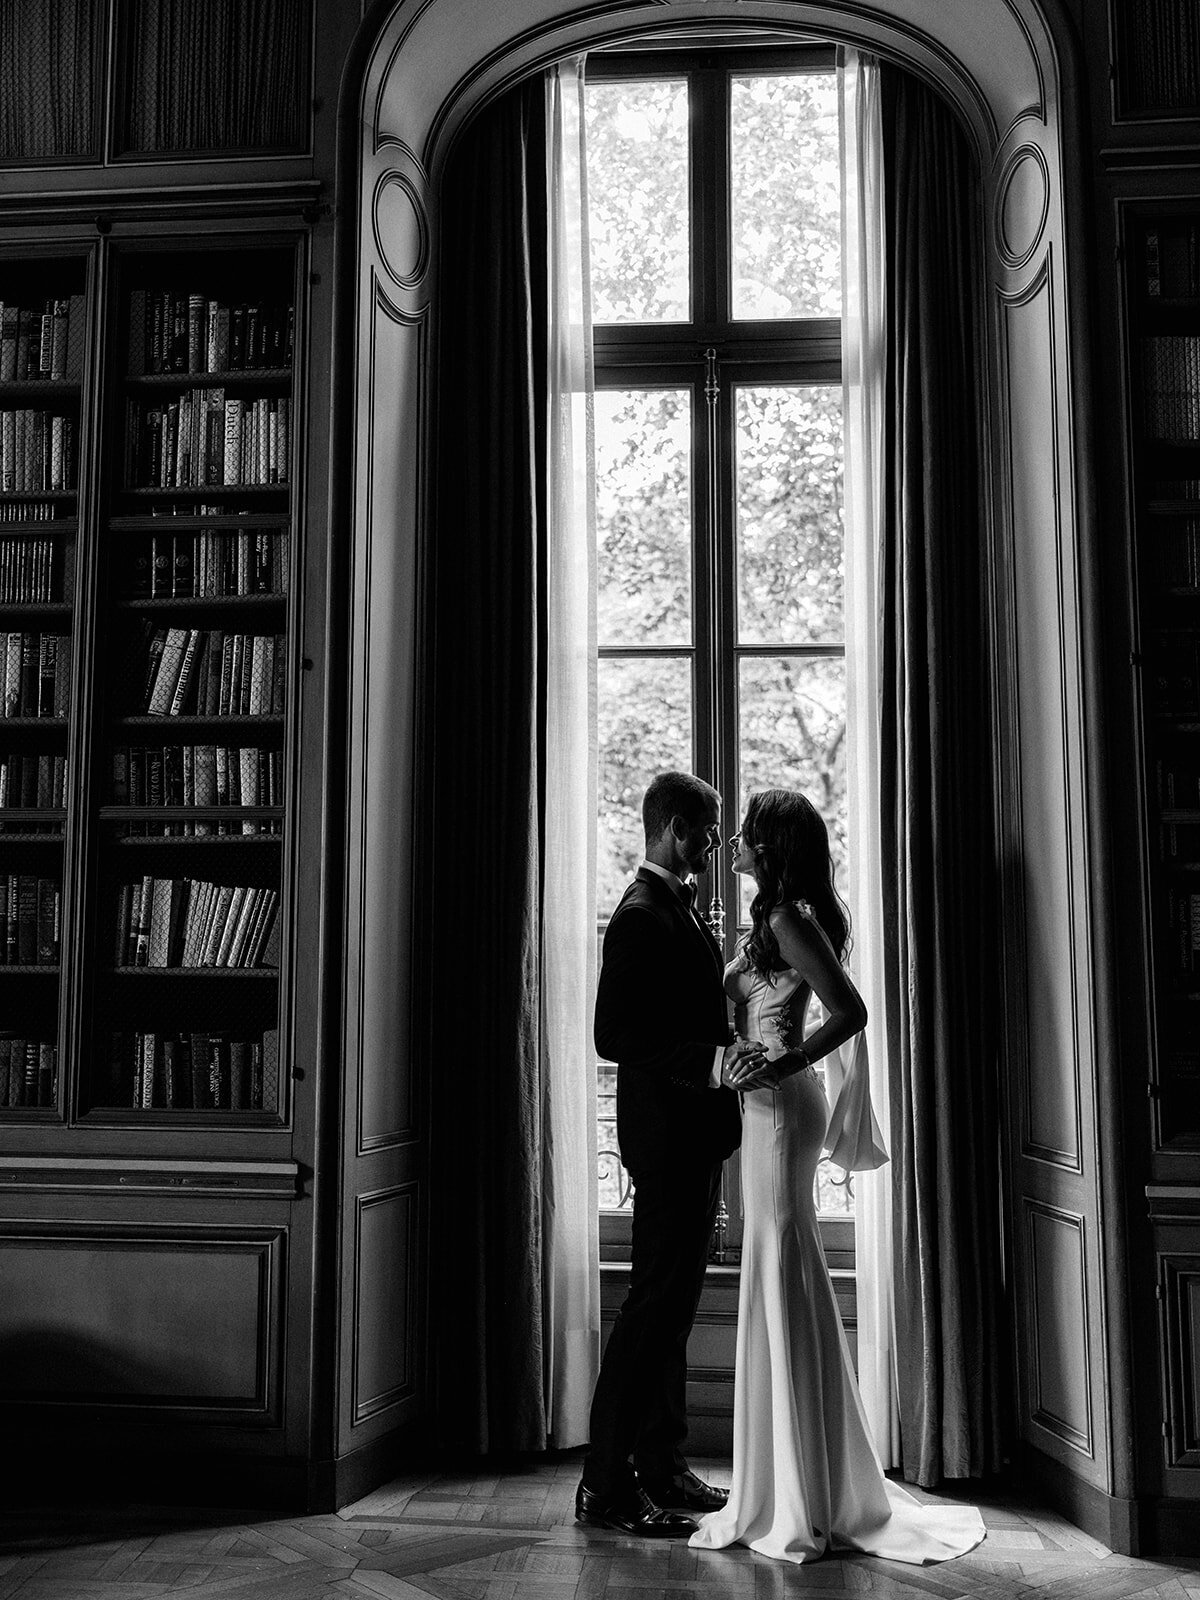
x,y
479,844
941,915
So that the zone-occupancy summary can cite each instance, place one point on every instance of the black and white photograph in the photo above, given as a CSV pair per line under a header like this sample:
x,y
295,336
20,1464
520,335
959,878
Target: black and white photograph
x,y
599,799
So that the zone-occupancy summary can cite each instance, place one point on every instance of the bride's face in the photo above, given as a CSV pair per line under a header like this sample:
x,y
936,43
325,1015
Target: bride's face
x,y
743,855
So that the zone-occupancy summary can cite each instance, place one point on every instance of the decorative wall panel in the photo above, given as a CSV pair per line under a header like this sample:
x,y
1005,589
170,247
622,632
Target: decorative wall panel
x,y
1060,1333
1179,1279
1051,1089
382,710
384,1310
162,1322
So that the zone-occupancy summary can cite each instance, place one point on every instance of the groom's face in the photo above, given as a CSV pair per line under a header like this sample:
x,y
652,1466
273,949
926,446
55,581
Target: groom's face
x,y
701,838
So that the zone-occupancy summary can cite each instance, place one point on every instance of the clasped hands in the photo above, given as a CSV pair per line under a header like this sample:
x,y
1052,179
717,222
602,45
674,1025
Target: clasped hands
x,y
745,1066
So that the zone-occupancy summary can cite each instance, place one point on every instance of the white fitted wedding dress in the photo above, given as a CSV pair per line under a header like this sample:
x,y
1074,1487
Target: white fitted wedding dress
x,y
806,1478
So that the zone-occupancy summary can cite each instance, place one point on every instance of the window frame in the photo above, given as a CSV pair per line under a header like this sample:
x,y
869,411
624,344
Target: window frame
x,y
712,354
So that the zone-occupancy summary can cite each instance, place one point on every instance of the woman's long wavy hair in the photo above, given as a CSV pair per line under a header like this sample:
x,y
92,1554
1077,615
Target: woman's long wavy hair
x,y
791,862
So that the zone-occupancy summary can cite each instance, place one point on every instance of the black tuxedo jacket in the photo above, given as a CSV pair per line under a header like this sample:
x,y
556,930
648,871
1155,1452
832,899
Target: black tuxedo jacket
x,y
660,1014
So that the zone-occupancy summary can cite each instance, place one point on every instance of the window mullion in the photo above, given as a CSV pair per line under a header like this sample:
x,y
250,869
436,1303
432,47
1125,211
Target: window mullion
x,y
725,662
704,596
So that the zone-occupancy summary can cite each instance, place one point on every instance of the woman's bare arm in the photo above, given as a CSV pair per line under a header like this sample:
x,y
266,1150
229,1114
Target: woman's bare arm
x,y
804,946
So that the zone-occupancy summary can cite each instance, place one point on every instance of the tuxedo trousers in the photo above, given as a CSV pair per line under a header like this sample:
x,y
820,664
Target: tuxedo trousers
x,y
639,1409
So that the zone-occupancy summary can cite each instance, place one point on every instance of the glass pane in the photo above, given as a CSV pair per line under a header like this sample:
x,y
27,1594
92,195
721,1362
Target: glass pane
x,y
785,199
645,726
644,516
792,735
791,543
637,173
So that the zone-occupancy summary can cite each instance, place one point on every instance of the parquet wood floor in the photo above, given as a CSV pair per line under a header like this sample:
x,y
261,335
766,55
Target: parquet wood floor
x,y
512,1537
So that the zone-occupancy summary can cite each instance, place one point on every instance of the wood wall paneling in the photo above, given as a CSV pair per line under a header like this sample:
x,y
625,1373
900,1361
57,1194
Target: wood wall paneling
x,y
1179,1280
1062,1397
383,718
1063,1360
384,1312
1051,1089
384,1142
190,1319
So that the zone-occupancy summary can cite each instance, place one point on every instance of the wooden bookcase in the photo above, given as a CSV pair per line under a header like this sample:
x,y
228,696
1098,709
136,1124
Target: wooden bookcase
x,y
1162,252
1157,49
1157,247
190,1259
42,423
153,778
188,767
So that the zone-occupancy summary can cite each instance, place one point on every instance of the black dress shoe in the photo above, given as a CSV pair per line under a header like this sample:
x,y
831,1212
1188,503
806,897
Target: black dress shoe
x,y
632,1512
687,1491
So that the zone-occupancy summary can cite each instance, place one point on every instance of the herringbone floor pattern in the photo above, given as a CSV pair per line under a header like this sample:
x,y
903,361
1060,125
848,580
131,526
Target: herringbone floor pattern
x,y
512,1537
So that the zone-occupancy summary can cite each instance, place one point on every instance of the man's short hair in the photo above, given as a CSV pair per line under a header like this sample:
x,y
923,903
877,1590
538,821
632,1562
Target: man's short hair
x,y
675,794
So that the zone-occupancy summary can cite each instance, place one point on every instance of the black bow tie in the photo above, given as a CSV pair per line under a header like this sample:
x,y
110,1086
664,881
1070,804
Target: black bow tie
x,y
687,893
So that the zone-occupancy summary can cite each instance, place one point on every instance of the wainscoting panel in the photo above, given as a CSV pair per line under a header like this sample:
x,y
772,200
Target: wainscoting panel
x,y
161,1323
1050,1084
1060,1341
1179,1284
385,1137
385,589
1049,875
383,1309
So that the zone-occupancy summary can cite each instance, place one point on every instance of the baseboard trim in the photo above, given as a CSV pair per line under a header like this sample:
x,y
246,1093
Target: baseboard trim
x,y
337,1483
66,1469
1171,1528
1111,1519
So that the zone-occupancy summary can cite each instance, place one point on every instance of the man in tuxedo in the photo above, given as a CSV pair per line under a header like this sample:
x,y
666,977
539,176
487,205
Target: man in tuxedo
x,y
661,1015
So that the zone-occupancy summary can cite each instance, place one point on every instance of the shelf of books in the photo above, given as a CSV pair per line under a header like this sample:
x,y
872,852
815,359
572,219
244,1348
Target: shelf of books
x,y
1157,54
1165,322
189,784
42,359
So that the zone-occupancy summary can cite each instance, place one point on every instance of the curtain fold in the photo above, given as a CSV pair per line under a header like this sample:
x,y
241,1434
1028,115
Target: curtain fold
x,y
485,654
863,345
511,842
940,923
570,1223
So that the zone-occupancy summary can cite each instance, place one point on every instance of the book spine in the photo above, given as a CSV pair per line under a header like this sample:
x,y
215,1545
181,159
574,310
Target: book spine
x,y
47,1073
239,1075
123,924
231,474
167,675
201,1099
141,926
60,338
49,913
27,920
148,1073
181,694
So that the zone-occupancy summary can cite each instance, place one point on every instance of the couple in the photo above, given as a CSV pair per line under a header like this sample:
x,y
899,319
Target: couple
x,y
805,1475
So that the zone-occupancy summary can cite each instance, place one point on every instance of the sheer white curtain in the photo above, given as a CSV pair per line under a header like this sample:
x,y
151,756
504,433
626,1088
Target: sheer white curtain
x,y
570,1240
862,392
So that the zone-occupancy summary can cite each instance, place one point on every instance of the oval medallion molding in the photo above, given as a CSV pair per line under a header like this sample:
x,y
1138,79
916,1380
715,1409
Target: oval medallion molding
x,y
401,225
1022,205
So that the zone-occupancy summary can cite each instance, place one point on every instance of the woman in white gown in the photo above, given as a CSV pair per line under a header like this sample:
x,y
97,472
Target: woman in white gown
x,y
806,1478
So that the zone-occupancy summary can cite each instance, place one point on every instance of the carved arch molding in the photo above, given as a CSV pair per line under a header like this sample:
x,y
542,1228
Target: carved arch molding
x,y
1008,69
